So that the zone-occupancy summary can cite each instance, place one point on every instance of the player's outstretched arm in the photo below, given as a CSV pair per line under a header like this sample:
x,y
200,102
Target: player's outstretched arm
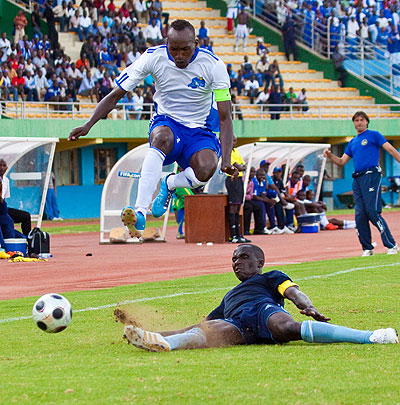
x,y
393,151
340,161
226,136
103,108
304,304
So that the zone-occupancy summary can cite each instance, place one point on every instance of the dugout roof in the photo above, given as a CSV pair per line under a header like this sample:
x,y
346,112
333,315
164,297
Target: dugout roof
x,y
29,163
310,155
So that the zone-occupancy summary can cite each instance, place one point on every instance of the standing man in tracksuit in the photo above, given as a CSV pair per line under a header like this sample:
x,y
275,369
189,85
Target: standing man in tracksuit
x,y
364,149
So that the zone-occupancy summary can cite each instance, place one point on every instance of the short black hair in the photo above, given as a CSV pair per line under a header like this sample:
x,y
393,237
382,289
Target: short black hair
x,y
257,250
360,114
181,25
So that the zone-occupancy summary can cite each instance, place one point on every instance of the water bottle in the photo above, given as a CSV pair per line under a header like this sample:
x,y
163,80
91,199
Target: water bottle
x,y
45,255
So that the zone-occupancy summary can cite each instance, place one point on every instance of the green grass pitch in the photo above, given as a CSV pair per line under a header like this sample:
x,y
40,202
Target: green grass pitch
x,y
89,363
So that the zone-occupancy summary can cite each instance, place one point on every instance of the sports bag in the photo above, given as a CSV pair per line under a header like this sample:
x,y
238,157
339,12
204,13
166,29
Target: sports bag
x,y
38,241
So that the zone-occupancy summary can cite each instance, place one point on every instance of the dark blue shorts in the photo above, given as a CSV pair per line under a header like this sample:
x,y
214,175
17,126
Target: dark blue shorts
x,y
254,329
187,142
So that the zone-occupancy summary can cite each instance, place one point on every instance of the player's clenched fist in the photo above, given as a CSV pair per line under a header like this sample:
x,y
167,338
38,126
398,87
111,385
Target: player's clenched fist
x,y
77,133
228,169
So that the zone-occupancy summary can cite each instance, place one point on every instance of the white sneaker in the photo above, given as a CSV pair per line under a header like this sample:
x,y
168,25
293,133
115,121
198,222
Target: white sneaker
x,y
384,336
287,230
276,231
393,251
292,228
150,341
367,253
289,206
267,231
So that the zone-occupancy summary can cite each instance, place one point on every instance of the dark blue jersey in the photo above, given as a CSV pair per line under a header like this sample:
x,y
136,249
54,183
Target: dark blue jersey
x,y
249,295
364,149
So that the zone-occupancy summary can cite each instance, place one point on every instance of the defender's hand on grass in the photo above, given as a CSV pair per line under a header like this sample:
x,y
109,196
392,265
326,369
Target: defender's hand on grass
x,y
314,314
76,133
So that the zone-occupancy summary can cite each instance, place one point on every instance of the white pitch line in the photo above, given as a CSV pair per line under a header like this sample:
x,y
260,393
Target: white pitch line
x,y
336,273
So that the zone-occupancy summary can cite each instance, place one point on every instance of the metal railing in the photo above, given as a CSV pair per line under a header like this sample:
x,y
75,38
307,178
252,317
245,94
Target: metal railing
x,y
70,110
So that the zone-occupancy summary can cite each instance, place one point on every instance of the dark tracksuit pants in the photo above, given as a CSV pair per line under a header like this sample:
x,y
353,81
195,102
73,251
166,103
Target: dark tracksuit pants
x,y
367,197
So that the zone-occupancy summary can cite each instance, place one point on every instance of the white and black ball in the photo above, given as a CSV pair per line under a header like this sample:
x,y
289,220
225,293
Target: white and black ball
x,y
52,313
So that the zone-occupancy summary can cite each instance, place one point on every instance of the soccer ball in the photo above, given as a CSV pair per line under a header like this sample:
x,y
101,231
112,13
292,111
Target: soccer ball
x,y
52,313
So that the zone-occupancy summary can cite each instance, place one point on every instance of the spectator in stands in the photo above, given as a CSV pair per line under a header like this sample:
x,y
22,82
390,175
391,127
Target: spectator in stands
x,y
85,22
75,74
141,11
251,206
231,15
148,101
83,61
302,99
30,87
40,83
35,20
127,100
75,26
61,15
262,69
87,86
291,97
152,33
251,88
235,82
247,67
207,44
138,101
5,47
242,28
107,61
105,86
51,24
53,93
19,83
289,40
203,31
89,50
3,86
272,74
273,100
338,61
261,48
133,55
7,83
98,74
234,187
140,42
263,96
20,22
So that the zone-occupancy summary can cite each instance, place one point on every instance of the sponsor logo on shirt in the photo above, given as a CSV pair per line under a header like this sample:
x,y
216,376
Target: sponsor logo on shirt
x,y
364,142
197,82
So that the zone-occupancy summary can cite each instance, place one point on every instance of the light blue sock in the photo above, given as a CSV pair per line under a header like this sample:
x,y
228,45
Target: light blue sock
x,y
322,332
191,339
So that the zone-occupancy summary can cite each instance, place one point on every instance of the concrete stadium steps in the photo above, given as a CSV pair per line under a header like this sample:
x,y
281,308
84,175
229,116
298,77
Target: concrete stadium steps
x,y
70,43
311,83
186,12
178,3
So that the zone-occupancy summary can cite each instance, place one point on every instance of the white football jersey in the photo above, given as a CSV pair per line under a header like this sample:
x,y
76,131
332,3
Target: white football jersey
x,y
185,95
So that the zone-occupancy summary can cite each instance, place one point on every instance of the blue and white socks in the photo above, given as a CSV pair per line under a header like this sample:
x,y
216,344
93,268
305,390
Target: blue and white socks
x,y
323,332
187,179
149,177
191,339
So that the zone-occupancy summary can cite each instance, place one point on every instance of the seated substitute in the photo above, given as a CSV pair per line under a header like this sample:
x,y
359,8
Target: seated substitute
x,y
253,313
18,216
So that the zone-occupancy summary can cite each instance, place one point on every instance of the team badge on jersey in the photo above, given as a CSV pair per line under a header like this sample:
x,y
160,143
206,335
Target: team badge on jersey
x,y
364,142
197,82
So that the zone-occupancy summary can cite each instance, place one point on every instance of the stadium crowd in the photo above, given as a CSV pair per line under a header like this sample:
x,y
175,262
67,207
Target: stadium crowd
x,y
371,20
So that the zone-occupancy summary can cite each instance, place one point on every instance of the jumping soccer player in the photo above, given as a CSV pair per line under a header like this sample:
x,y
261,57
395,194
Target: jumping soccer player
x,y
365,149
253,313
188,80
